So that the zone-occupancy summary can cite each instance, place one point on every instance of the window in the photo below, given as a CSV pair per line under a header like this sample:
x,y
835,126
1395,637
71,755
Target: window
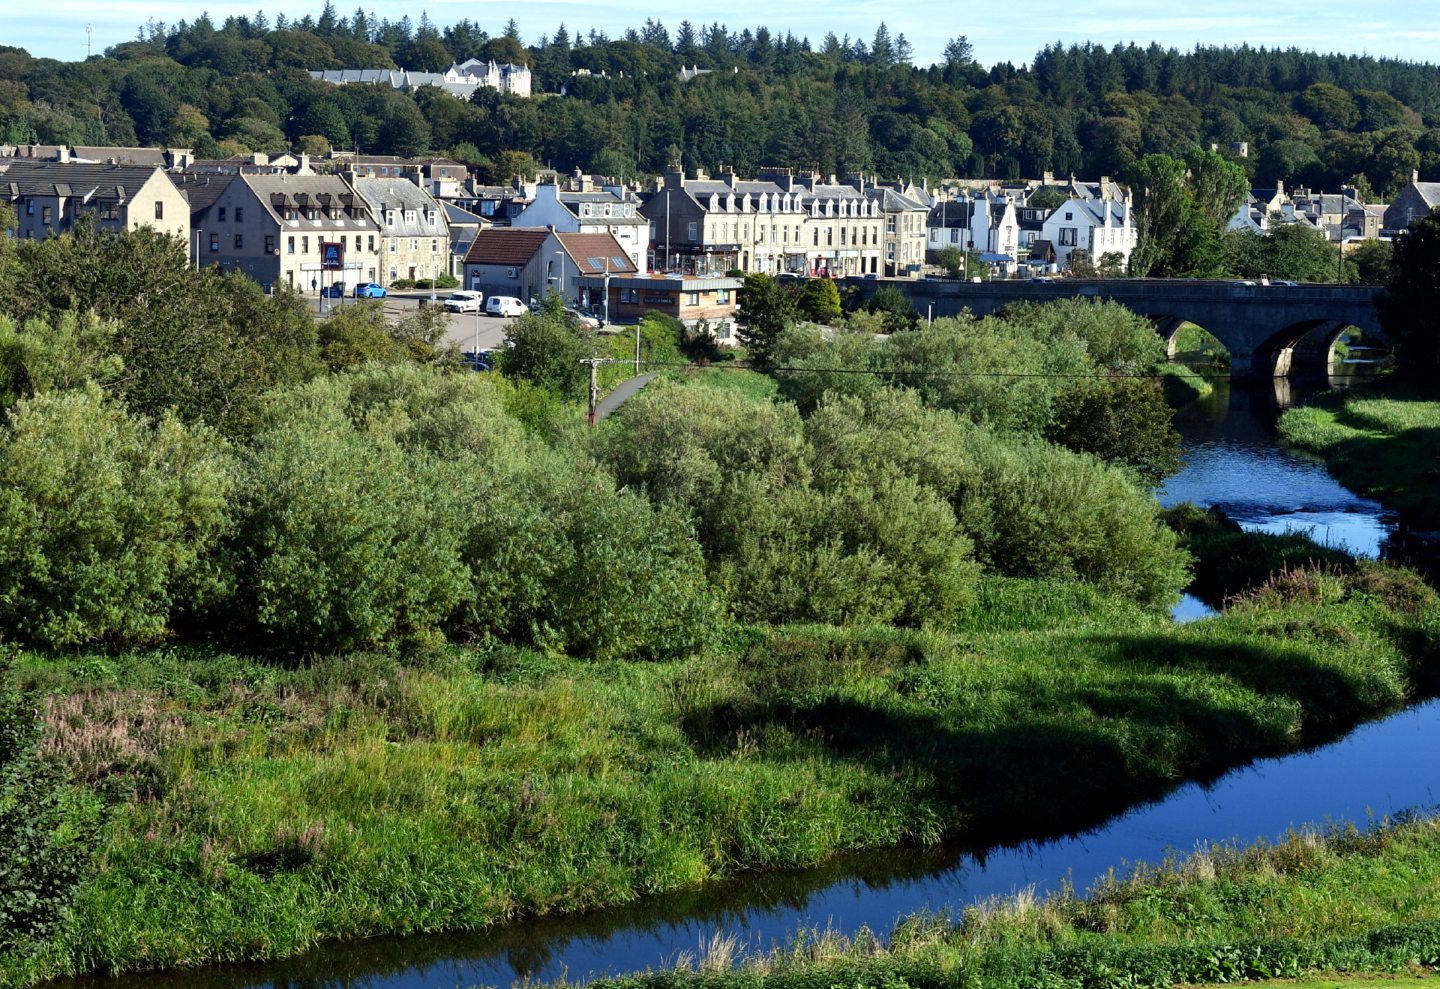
x,y
29,207
631,295
214,243
414,243
694,231
722,296
290,245
304,245
222,214
435,246
239,214
692,298
46,215
1069,215
371,244
1067,236
239,241
392,245
269,244
817,237
159,210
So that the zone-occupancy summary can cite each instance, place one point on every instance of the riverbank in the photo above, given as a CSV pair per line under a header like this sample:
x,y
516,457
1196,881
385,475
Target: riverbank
x,y
1382,442
1345,901
256,809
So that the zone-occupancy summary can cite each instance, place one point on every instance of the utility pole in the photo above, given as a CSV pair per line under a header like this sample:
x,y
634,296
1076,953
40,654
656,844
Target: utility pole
x,y
594,364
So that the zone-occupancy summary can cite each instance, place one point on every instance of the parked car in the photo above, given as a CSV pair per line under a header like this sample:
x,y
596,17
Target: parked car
x,y
505,305
369,290
336,291
480,360
464,301
584,317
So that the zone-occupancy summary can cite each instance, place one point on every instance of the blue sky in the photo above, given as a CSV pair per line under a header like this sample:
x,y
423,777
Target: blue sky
x,y
56,29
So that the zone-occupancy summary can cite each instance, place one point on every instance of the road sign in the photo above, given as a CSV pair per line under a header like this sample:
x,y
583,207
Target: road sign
x,y
332,256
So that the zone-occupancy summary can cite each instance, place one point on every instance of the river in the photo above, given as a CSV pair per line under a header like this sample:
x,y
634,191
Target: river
x,y
1233,461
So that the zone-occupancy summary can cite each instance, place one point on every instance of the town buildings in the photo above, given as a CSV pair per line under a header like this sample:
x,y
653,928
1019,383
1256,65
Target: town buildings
x,y
460,80
299,231
48,197
414,237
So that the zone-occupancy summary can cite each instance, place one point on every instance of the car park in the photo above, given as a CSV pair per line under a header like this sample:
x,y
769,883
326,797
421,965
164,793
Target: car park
x,y
369,290
505,305
464,301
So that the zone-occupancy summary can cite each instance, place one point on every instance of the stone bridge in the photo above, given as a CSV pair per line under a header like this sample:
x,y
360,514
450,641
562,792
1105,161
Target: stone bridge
x,y
1263,326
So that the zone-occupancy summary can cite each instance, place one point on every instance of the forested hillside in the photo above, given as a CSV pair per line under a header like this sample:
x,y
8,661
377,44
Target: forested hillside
x,y
836,104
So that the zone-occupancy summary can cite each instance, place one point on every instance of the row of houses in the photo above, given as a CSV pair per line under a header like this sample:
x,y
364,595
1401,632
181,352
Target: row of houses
x,y
288,220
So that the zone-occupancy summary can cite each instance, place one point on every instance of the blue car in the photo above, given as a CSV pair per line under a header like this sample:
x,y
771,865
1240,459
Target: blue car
x,y
369,290
336,291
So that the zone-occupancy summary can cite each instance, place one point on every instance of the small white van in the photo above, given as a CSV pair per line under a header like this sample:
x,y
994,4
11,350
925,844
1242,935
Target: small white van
x,y
464,301
505,305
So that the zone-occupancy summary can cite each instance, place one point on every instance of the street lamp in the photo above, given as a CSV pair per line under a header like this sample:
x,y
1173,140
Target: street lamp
x,y
562,274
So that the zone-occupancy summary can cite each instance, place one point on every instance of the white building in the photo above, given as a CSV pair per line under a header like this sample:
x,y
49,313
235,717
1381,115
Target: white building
x,y
461,79
1101,226
606,211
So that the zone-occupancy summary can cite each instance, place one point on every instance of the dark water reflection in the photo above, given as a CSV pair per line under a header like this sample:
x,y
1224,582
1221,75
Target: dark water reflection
x,y
1234,460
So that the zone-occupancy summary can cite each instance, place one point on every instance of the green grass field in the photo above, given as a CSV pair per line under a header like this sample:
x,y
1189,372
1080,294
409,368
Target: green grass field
x,y
257,808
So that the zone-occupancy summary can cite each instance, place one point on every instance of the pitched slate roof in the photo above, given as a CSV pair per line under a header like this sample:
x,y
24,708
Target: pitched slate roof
x,y
88,182
122,156
201,190
589,252
506,245
400,195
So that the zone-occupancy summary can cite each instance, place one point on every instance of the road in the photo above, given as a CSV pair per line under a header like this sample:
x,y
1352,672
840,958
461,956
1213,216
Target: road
x,y
467,331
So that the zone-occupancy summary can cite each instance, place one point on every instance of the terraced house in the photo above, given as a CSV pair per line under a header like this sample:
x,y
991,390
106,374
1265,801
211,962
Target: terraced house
x,y
276,228
414,237
49,196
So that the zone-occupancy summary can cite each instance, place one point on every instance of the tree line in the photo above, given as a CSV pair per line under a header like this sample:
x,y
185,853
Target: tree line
x,y
182,456
838,105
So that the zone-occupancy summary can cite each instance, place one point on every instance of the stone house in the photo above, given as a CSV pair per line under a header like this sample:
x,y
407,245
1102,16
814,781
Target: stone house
x,y
49,196
414,237
286,230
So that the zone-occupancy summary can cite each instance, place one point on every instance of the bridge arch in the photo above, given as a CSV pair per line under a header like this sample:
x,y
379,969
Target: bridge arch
x,y
1308,346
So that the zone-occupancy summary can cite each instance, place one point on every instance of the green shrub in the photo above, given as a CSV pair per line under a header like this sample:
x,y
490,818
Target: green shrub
x,y
560,559
106,524
48,833
353,506
1031,509
862,552
544,350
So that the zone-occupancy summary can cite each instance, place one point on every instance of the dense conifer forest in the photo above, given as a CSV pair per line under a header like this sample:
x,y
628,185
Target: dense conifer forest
x,y
833,104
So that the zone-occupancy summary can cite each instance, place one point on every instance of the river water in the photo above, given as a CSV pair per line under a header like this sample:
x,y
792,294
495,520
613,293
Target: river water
x,y
1379,769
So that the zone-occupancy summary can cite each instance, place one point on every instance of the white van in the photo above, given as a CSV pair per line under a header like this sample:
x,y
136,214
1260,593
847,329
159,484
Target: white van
x,y
505,305
464,301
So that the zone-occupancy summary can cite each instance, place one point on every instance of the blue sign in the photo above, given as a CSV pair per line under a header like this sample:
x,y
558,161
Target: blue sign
x,y
332,257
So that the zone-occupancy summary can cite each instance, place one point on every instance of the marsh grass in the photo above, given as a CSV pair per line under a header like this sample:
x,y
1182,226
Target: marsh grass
x,y
257,808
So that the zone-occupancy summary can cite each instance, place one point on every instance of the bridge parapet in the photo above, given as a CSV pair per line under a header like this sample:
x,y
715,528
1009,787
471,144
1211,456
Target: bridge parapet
x,y
1259,324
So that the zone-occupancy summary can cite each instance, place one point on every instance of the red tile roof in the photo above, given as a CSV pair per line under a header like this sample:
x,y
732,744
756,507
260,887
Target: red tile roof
x,y
582,247
505,245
